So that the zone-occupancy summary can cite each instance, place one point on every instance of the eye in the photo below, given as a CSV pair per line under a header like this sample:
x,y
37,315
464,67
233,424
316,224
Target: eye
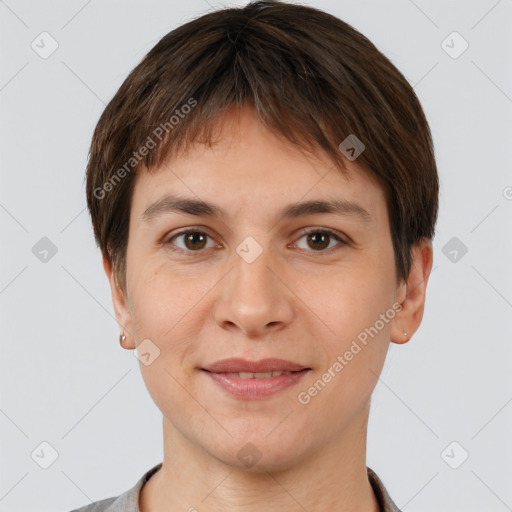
x,y
194,240
319,239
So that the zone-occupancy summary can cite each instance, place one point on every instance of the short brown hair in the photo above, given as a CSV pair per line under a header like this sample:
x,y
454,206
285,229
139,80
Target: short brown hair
x,y
312,79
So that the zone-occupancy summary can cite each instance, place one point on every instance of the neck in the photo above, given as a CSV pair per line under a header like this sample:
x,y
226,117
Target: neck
x,y
334,478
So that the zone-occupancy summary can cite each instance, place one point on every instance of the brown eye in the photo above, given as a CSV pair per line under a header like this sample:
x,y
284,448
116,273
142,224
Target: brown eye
x,y
193,240
319,240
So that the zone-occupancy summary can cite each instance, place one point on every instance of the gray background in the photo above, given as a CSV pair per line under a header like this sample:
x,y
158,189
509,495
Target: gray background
x,y
66,381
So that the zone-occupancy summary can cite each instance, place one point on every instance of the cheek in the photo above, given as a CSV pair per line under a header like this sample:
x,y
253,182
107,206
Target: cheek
x,y
166,309
163,312
348,300
351,305
159,299
354,355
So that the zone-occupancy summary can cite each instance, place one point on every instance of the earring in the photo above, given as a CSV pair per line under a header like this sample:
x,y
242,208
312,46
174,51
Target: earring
x,y
122,338
405,334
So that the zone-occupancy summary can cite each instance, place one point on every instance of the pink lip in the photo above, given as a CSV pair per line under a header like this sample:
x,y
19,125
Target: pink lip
x,y
222,372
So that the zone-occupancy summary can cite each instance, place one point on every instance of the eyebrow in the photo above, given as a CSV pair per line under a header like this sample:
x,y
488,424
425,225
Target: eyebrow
x,y
189,206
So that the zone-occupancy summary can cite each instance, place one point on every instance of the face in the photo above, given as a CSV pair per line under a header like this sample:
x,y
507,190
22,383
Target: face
x,y
251,283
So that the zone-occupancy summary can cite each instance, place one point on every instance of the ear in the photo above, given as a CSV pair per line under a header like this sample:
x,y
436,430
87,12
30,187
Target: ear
x,y
411,293
122,311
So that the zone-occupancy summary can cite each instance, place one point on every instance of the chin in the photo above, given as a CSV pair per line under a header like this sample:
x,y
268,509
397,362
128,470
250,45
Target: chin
x,y
258,453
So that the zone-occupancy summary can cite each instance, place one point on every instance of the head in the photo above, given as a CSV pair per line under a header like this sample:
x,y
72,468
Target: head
x,y
240,114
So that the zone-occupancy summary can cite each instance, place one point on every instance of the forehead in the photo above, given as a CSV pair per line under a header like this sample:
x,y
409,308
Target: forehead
x,y
249,170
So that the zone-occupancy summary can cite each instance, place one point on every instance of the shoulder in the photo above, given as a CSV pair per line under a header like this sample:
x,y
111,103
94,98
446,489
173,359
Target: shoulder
x,y
126,502
97,506
383,497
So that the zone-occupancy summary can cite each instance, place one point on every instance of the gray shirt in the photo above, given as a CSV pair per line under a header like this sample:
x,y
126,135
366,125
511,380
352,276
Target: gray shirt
x,y
129,500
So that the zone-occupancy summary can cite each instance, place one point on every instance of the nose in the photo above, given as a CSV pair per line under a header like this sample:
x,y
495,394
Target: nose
x,y
254,297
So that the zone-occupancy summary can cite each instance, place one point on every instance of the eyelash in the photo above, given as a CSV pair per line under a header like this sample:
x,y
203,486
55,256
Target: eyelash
x,y
192,229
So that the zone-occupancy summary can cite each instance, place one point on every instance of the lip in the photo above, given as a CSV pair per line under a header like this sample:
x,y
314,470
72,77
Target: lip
x,y
235,365
221,372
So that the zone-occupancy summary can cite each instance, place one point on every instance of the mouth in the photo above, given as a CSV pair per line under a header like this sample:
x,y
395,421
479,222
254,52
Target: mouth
x,y
245,379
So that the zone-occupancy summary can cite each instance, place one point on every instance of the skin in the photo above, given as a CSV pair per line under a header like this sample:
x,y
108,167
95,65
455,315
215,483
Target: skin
x,y
295,302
